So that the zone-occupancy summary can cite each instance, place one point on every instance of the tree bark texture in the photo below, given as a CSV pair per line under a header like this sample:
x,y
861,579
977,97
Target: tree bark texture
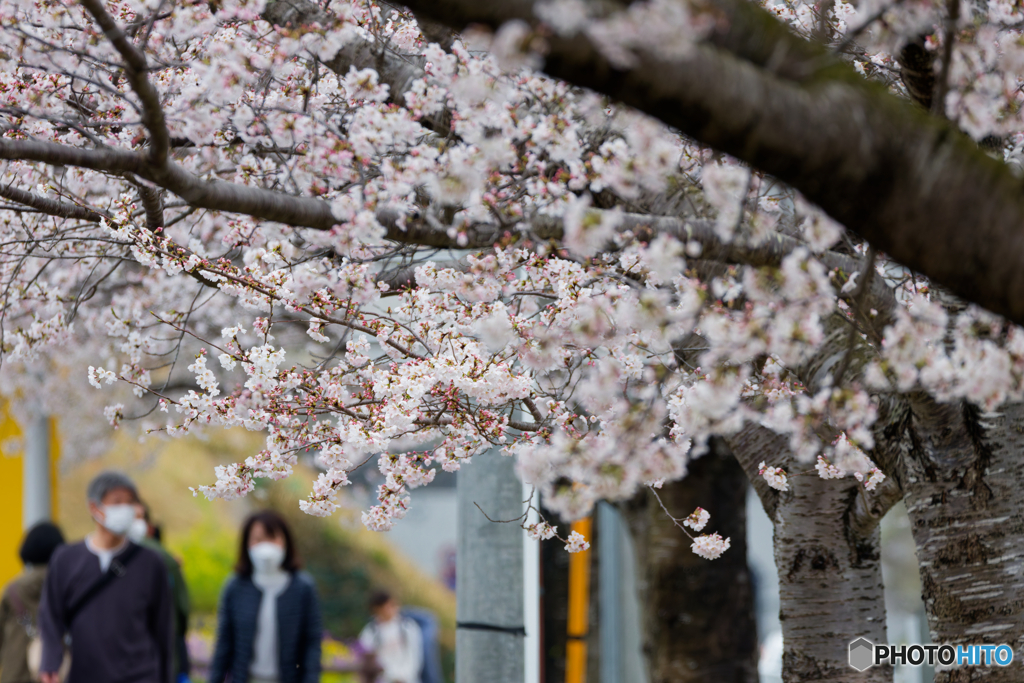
x,y
830,575
965,499
698,616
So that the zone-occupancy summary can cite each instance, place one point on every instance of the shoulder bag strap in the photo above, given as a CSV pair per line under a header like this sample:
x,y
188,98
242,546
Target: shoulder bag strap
x,y
117,568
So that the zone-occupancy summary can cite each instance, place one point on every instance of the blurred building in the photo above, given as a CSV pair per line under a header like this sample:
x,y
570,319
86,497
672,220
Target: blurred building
x,y
28,476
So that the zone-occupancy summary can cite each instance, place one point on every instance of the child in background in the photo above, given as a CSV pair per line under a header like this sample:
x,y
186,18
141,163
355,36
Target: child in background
x,y
394,640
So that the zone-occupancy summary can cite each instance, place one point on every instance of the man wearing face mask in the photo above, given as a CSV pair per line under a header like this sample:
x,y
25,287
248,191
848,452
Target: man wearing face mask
x,y
106,599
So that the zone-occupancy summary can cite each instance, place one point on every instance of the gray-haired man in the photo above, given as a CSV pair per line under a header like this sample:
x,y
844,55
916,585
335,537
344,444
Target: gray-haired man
x,y
110,596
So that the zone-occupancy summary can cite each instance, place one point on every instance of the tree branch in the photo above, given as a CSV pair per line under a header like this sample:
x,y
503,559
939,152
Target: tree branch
x,y
154,206
398,72
136,69
857,307
215,195
49,206
752,444
926,182
948,40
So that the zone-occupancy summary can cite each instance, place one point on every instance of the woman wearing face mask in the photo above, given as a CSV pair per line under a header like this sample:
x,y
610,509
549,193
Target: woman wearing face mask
x,y
268,622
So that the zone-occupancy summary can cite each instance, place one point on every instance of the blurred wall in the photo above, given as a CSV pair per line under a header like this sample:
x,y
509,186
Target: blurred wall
x,y
11,495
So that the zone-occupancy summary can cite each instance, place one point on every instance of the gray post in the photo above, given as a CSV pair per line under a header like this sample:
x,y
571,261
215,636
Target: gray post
x,y
489,573
36,494
621,649
610,551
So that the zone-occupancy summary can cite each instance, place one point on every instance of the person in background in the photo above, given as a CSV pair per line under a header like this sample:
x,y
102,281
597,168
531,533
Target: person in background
x,y
394,640
268,620
20,603
142,532
110,595
430,671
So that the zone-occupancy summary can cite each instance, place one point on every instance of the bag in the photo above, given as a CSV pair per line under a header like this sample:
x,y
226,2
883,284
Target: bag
x,y
34,655
34,652
430,670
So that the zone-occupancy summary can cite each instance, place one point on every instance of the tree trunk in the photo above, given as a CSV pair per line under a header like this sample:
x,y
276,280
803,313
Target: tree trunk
x,y
965,497
827,554
698,615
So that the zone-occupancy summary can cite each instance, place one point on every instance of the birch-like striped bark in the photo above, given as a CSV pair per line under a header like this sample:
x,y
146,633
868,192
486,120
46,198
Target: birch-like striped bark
x,y
966,506
827,551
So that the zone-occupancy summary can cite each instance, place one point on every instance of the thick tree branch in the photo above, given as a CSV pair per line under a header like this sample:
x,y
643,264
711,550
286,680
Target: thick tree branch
x,y
938,204
753,444
114,161
49,206
136,68
153,203
215,195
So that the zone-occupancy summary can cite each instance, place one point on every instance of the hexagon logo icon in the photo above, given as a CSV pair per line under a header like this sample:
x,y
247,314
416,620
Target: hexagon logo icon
x,y
862,654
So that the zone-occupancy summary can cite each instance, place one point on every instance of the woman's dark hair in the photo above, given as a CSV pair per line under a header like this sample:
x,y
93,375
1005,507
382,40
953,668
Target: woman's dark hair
x,y
40,542
274,525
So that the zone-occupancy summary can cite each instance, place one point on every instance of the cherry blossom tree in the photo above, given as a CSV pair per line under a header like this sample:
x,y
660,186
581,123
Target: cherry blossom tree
x,y
592,236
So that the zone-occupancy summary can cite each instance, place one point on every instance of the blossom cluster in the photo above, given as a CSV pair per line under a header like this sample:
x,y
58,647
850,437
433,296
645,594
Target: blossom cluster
x,y
775,476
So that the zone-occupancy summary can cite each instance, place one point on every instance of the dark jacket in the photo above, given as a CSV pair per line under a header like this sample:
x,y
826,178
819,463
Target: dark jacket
x,y
179,616
298,630
18,610
123,635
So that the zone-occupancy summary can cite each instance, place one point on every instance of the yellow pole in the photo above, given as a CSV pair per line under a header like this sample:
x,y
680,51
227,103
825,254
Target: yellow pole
x,y
579,609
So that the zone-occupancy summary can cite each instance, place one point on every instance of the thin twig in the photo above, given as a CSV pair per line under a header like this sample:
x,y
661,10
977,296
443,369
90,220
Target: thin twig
x,y
857,305
948,39
675,520
520,518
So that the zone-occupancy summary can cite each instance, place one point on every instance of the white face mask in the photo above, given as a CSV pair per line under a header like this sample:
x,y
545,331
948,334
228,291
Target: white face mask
x,y
266,557
138,530
117,519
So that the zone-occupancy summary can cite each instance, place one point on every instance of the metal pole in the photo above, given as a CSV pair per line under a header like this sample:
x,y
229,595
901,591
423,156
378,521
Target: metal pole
x,y
36,495
489,573
610,554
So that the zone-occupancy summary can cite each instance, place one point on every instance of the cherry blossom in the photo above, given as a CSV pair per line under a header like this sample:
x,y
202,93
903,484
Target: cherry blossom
x,y
576,543
775,476
710,546
698,519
